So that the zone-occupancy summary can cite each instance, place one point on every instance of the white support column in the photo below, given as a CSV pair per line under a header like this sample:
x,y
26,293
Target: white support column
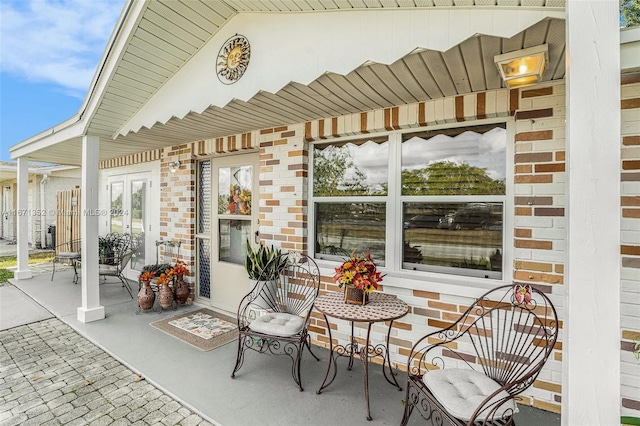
x,y
90,309
22,216
591,332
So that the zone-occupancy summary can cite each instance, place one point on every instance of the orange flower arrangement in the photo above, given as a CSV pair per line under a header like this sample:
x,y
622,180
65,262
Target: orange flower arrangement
x,y
165,278
180,268
147,275
360,272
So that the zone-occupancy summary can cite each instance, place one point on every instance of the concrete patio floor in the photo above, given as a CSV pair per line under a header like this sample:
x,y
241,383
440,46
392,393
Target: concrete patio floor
x,y
263,392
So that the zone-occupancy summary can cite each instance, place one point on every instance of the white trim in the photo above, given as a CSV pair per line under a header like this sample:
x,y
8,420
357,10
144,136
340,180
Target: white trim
x,y
591,344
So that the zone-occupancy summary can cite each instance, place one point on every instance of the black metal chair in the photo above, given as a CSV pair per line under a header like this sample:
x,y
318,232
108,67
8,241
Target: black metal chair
x,y
170,251
274,317
471,372
69,253
116,268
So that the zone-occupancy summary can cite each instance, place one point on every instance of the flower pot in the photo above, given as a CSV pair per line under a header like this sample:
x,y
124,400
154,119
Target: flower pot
x,y
146,297
165,296
181,290
264,295
355,296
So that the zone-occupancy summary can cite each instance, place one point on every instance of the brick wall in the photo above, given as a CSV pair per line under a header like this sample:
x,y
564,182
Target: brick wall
x,y
630,245
538,202
178,205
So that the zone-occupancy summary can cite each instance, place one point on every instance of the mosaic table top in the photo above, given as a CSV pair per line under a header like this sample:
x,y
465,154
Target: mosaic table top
x,y
381,307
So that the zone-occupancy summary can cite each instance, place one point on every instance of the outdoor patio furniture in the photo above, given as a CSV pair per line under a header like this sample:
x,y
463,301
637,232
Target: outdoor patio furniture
x,y
69,253
274,316
470,372
170,251
116,268
381,308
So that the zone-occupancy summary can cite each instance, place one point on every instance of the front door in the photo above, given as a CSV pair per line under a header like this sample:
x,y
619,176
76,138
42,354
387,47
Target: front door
x,y
227,219
129,214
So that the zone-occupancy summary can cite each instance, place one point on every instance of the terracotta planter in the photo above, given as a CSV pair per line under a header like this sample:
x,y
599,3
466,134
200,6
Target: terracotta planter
x,y
181,290
355,296
165,296
146,297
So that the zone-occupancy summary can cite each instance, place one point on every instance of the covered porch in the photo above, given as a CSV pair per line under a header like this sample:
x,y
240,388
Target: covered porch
x,y
142,103
262,392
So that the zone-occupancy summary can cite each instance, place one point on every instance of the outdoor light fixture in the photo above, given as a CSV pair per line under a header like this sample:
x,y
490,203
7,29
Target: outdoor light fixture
x,y
174,165
522,67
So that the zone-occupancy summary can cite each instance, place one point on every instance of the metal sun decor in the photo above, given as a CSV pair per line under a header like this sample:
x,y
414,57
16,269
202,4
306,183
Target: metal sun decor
x,y
233,59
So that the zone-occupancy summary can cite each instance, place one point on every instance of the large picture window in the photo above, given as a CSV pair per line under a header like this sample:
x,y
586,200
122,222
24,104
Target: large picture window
x,y
441,192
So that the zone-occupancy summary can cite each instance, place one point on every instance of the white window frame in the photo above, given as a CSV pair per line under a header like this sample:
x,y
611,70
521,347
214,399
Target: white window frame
x,y
393,236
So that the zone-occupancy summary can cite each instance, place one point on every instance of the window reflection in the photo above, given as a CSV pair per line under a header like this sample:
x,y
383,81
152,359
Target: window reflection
x,y
234,190
233,235
454,235
351,168
344,227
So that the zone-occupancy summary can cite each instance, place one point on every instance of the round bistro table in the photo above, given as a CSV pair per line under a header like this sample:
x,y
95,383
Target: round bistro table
x,y
381,307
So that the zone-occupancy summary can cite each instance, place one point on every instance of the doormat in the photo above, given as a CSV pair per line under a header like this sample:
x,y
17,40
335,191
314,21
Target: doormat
x,y
204,328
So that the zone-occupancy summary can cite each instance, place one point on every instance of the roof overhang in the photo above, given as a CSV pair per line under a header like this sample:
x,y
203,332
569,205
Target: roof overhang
x,y
445,51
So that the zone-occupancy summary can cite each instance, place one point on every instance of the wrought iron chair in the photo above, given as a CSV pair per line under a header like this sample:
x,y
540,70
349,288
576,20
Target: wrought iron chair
x,y
115,253
116,268
69,253
170,251
471,372
274,317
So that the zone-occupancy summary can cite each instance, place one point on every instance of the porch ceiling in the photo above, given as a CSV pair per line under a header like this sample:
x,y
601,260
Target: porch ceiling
x,y
169,32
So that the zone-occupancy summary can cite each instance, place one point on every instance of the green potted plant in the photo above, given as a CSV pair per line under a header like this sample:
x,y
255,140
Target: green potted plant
x,y
262,270
111,246
258,260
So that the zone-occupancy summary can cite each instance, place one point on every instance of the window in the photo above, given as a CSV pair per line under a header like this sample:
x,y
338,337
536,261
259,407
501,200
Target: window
x,y
441,192
350,183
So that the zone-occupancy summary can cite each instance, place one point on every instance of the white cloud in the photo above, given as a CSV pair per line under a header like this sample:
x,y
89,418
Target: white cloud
x,y
56,41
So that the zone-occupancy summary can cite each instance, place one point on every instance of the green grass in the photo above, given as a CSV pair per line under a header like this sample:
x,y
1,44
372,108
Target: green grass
x,y
9,261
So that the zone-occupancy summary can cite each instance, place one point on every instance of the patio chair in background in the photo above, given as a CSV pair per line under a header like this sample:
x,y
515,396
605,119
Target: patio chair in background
x,y
470,372
68,253
170,251
116,267
274,316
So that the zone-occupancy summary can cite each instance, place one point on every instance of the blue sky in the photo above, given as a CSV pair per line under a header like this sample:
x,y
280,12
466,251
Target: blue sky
x,y
49,51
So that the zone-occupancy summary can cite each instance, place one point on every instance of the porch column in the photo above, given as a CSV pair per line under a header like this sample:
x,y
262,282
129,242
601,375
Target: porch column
x,y
22,216
90,309
591,326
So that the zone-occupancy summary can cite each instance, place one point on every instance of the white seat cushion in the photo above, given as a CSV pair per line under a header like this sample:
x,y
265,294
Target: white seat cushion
x,y
107,269
68,255
277,324
460,391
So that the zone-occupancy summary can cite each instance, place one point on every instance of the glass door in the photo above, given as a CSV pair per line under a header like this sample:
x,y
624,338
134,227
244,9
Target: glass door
x,y
128,214
232,222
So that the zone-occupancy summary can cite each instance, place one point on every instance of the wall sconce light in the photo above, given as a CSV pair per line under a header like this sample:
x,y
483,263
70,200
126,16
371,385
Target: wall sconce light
x,y
522,67
174,165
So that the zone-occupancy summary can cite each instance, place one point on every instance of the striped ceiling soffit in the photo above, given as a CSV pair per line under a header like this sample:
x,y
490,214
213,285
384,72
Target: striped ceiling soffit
x,y
140,157
417,77
246,142
474,106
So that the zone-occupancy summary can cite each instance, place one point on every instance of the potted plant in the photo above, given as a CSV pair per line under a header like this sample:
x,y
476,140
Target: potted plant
x,y
156,269
262,270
